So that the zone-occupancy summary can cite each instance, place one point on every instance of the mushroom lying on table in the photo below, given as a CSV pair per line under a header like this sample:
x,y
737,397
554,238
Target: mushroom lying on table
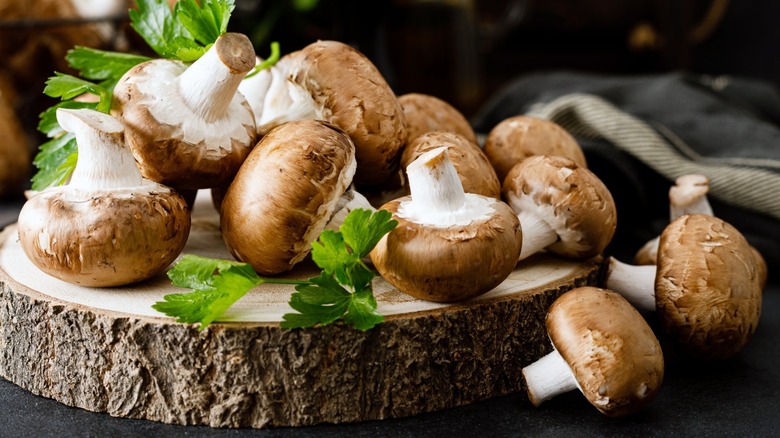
x,y
425,113
519,137
448,245
603,347
329,80
108,226
705,288
188,127
563,207
292,185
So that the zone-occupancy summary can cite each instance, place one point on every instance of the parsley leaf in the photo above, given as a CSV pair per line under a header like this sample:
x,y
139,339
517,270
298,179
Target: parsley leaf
x,y
341,291
102,65
207,21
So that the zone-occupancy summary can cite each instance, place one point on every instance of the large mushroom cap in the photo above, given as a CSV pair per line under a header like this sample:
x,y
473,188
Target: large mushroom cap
x,y
115,238
357,99
613,354
425,113
519,137
284,194
475,172
707,289
451,263
570,198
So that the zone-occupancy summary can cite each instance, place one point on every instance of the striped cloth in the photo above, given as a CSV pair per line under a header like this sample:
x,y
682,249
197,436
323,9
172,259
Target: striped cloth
x,y
750,183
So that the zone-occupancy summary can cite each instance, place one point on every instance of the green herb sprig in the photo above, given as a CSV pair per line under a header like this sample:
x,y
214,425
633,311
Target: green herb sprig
x,y
342,291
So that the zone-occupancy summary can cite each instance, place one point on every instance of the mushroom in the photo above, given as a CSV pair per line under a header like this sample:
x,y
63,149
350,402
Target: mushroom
x,y
14,149
448,245
704,288
475,172
563,207
188,127
286,193
688,195
519,137
332,81
425,113
603,347
108,226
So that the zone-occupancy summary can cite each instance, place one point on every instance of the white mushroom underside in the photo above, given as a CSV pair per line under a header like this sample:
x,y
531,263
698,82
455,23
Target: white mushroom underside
x,y
476,208
159,89
545,213
276,100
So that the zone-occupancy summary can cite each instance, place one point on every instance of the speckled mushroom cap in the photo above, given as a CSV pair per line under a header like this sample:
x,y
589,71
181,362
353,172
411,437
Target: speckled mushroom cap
x,y
355,97
570,198
475,172
172,144
425,113
707,289
518,137
448,264
284,194
612,352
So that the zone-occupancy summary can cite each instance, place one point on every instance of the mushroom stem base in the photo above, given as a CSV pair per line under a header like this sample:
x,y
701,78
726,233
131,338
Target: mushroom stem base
x,y
548,377
537,235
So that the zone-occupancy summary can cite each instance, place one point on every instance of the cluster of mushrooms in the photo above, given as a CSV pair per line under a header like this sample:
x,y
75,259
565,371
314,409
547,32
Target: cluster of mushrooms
x,y
290,151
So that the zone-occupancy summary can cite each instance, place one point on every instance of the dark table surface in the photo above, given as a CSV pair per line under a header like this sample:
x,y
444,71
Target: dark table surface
x,y
739,397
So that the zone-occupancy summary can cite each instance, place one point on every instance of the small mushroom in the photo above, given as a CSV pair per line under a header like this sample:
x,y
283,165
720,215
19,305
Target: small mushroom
x,y
108,226
704,288
285,194
448,245
563,207
688,195
425,113
475,172
329,80
188,127
603,347
519,137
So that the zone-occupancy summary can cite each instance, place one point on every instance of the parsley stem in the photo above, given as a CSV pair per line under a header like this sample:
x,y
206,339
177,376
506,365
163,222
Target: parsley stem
x,y
282,281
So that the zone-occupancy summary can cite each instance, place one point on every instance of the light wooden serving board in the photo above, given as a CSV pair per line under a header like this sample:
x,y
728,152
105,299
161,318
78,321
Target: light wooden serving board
x,y
107,350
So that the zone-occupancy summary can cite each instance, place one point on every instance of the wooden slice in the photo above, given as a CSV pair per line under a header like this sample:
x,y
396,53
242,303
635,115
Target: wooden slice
x,y
107,350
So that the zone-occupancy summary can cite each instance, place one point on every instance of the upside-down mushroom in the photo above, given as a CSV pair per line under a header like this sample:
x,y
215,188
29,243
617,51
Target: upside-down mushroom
x,y
188,127
108,226
705,288
448,245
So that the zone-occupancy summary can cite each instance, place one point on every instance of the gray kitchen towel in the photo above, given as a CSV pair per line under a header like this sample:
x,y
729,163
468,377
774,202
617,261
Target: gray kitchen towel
x,y
641,132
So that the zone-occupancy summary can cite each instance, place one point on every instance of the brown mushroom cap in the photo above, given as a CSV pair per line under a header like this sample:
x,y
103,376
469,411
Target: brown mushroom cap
x,y
284,194
570,198
613,354
448,264
166,152
14,149
107,238
425,113
475,172
358,100
519,137
707,288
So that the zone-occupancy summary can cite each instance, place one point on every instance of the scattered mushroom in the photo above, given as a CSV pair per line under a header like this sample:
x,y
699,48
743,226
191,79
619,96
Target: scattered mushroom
x,y
287,191
475,172
108,226
425,113
448,245
705,287
14,149
563,207
519,137
603,347
688,195
329,80
188,127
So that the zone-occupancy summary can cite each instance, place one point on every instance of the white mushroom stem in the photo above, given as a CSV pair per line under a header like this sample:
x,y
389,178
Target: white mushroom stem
x,y
209,84
437,196
537,234
104,161
635,283
548,377
349,201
